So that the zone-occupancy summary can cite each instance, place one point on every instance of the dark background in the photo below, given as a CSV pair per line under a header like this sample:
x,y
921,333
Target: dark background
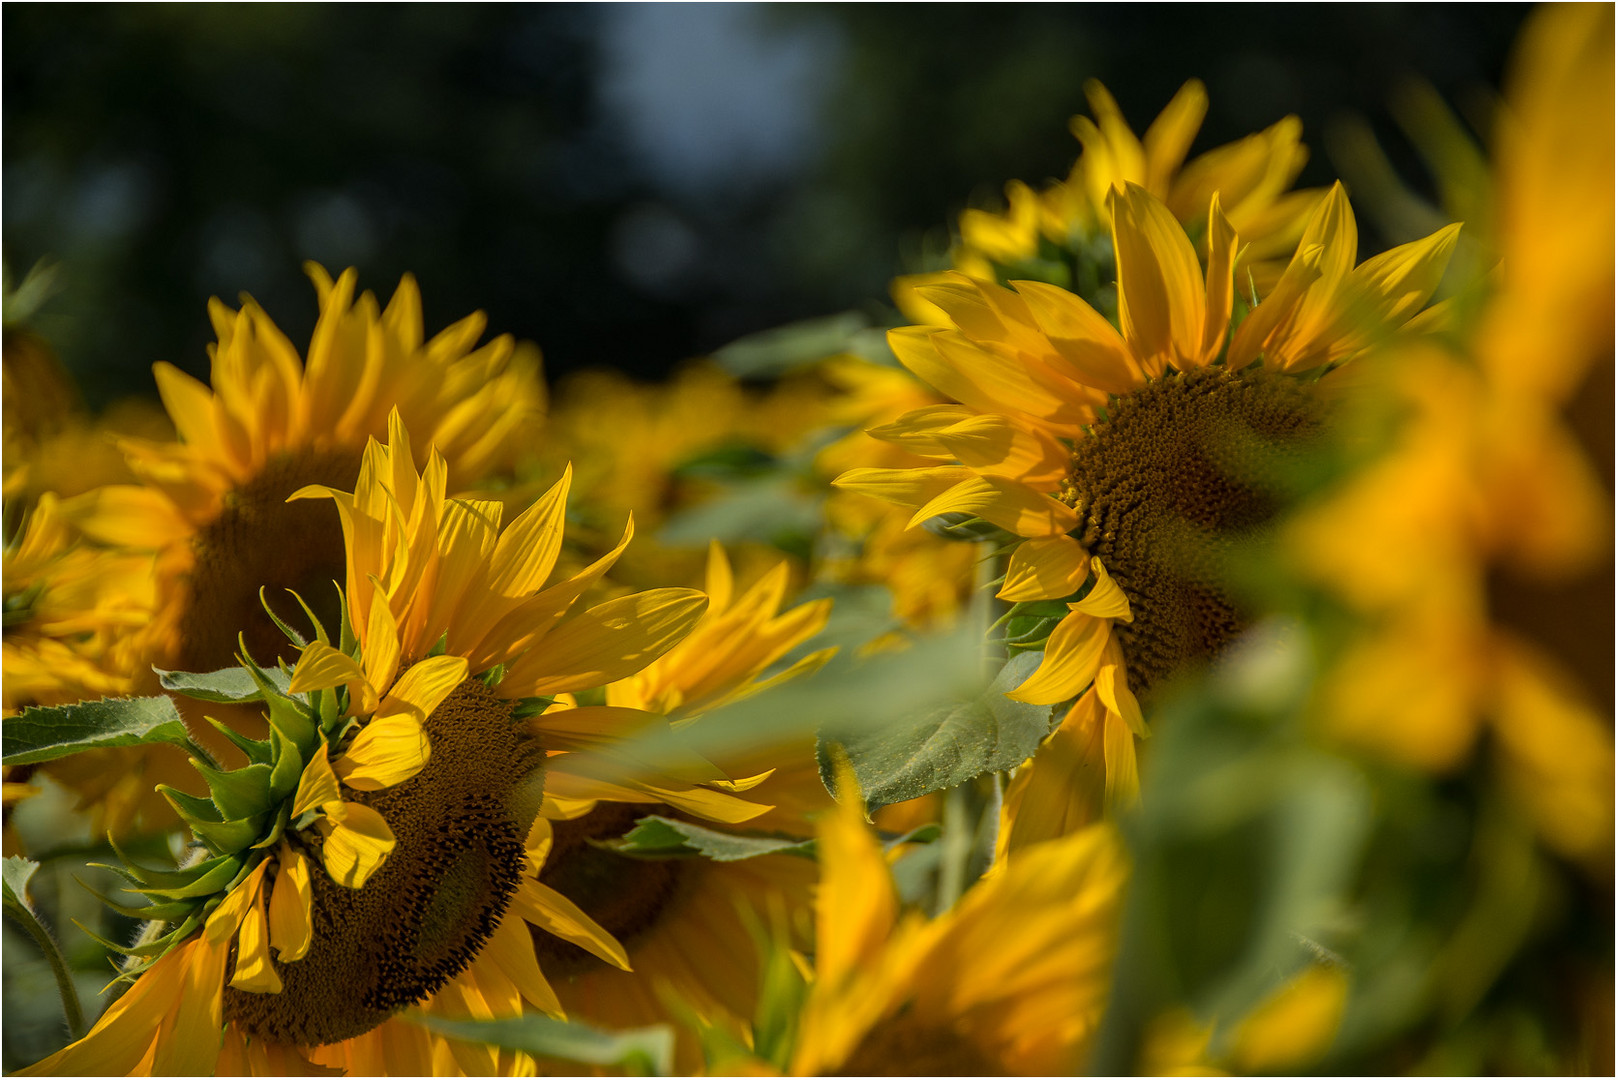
x,y
627,185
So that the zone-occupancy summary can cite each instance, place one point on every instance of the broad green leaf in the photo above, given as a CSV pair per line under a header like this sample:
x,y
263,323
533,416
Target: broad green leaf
x,y
647,1051
44,734
944,746
665,836
231,685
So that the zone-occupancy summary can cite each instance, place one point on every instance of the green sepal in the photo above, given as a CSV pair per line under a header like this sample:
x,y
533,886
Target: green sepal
x,y
331,709
173,911
238,793
292,635
306,819
345,629
231,836
219,876
282,816
257,750
492,677
531,706
152,949
168,879
190,808
285,713
288,767
439,646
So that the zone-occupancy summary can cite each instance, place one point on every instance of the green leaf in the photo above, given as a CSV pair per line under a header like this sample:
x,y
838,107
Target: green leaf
x,y
44,734
663,836
773,352
944,746
728,462
647,1051
232,685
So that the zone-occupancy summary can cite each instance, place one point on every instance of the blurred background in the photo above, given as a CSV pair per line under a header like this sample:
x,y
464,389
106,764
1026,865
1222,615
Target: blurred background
x,y
627,185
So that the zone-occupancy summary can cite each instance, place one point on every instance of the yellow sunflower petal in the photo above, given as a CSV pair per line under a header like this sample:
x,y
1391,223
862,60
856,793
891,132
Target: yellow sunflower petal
x,y
1105,599
1006,503
1171,134
903,487
1072,656
1045,569
357,845
550,910
607,642
527,550
317,786
291,921
511,949
322,667
857,906
1387,289
1161,297
1221,294
189,1044
254,972
388,750
227,917
1083,337
380,653
1112,686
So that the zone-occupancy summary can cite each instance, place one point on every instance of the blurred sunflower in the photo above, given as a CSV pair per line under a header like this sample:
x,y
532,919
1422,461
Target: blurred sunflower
x,y
1480,561
383,847
683,920
1252,176
1136,466
71,615
214,505
630,443
889,994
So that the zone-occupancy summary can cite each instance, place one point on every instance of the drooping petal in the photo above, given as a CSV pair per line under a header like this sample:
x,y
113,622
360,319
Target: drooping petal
x,y
291,918
1045,569
255,973
1072,656
1105,600
322,667
903,487
357,844
317,786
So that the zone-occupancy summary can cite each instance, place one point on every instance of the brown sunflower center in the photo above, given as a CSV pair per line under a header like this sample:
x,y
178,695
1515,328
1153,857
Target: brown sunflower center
x,y
459,827
1180,478
261,539
624,894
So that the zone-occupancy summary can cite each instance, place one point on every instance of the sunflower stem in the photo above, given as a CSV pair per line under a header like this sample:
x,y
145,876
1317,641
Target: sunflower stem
x,y
71,1009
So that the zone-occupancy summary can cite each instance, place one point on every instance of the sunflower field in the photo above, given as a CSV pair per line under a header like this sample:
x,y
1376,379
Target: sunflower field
x,y
1159,622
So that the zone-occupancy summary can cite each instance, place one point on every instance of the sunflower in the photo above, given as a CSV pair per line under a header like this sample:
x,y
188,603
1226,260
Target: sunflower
x,y
1137,464
1011,981
214,505
1480,568
1252,175
683,920
383,848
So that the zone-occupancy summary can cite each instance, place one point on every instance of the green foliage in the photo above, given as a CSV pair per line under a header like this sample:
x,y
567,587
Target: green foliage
x,y
661,836
44,734
777,351
647,1051
943,746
